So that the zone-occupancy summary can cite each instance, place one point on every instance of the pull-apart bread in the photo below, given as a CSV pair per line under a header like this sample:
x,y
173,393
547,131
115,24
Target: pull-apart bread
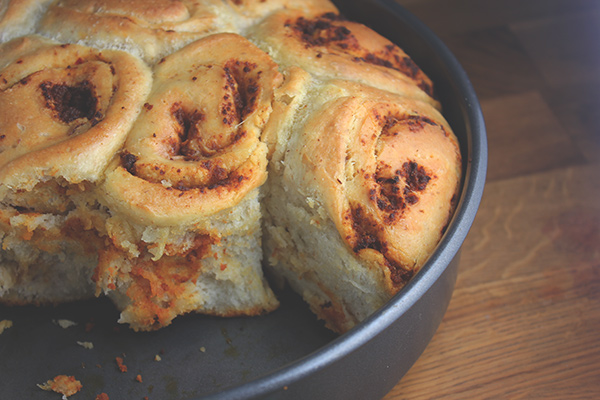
x,y
163,153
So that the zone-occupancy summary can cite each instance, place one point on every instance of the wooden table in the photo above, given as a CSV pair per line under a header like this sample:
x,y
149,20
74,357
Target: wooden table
x,y
524,321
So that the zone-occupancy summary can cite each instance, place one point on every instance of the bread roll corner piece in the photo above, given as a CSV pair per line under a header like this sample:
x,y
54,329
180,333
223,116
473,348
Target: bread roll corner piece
x,y
64,112
367,187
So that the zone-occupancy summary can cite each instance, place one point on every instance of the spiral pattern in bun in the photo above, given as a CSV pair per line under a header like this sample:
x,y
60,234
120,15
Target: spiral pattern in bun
x,y
196,147
65,109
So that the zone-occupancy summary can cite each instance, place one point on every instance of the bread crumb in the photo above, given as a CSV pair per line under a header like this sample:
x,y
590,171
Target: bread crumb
x,y
64,323
102,396
87,345
122,367
63,384
203,349
5,324
157,358
138,378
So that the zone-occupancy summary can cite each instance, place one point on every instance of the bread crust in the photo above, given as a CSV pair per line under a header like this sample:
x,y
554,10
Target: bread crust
x,y
330,47
148,29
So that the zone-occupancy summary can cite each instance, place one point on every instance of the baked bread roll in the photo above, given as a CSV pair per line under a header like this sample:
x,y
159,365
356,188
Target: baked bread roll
x,y
362,192
185,188
65,110
163,152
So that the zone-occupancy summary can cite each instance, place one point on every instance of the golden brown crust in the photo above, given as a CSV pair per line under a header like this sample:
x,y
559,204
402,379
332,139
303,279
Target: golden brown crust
x,y
196,149
328,46
64,109
18,17
150,29
258,9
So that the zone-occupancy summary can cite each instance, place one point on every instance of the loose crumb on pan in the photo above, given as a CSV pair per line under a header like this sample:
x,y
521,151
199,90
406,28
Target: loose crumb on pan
x,y
122,367
157,358
87,345
5,324
63,384
102,396
64,323
138,378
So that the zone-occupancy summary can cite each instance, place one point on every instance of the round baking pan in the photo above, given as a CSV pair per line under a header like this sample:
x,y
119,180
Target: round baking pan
x,y
287,354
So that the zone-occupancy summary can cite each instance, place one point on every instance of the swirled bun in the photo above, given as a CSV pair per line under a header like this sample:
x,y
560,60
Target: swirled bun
x,y
163,152
65,110
367,187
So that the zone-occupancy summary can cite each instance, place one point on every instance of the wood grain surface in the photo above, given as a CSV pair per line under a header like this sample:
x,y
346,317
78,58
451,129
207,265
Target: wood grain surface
x,y
524,320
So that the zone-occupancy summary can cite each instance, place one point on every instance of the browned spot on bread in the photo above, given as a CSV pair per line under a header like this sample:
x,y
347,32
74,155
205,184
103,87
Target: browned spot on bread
x,y
332,32
414,123
322,32
369,235
70,102
128,161
367,231
415,176
240,91
190,138
398,274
